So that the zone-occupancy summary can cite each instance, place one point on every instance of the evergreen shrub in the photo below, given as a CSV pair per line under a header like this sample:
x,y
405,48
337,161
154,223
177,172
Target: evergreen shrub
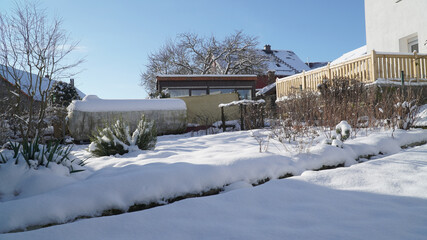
x,y
119,139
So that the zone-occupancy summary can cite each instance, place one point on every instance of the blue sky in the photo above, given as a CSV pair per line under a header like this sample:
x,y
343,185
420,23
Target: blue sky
x,y
116,36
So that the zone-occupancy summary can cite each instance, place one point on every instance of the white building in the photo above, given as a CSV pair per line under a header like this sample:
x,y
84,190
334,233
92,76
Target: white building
x,y
396,25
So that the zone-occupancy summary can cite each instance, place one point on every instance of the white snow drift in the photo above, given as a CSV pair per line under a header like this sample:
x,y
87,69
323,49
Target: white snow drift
x,y
178,166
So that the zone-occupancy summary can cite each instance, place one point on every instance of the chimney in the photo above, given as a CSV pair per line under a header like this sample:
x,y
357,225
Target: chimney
x,y
72,82
271,77
267,48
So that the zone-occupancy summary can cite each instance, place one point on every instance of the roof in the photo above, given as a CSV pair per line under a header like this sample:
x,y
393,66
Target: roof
x,y
26,80
266,89
206,77
314,65
283,62
350,55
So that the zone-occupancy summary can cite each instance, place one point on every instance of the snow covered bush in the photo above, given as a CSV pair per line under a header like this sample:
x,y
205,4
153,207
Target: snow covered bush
x,y
262,137
62,94
37,155
406,114
343,131
162,94
397,107
294,136
119,139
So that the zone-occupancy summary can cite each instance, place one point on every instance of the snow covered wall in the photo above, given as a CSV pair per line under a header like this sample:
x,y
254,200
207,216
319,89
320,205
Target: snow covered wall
x,y
85,116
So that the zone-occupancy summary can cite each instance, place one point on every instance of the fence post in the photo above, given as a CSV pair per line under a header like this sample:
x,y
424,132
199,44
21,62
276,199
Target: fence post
x,y
373,66
223,119
416,65
304,83
242,127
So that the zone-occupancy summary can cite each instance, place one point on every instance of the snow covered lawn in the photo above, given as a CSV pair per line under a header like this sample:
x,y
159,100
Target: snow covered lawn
x,y
311,204
379,199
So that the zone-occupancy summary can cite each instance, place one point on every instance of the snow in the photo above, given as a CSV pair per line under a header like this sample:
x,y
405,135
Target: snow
x,y
421,117
344,130
398,82
379,199
265,89
26,79
179,165
283,62
242,102
92,103
359,52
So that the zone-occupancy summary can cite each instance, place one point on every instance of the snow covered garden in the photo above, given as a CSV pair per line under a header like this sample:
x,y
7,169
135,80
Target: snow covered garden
x,y
306,172
333,152
383,198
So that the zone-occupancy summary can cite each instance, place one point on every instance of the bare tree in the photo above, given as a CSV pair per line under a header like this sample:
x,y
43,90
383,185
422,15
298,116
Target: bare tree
x,y
192,54
33,52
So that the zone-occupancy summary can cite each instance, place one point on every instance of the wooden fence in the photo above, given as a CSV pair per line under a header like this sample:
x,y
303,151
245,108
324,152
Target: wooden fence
x,y
376,66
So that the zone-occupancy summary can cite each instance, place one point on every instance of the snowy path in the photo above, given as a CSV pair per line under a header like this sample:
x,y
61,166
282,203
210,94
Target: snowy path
x,y
379,199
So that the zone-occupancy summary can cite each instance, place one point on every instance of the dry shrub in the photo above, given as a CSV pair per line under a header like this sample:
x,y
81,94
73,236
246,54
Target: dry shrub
x,y
253,116
362,106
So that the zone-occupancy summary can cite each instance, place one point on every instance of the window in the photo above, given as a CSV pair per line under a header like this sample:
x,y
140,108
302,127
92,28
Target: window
x,y
245,94
409,44
179,92
220,90
413,44
198,92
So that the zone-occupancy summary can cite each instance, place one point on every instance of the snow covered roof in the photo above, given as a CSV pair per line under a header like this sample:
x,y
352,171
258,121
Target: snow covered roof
x,y
314,65
266,89
359,52
92,103
283,62
26,80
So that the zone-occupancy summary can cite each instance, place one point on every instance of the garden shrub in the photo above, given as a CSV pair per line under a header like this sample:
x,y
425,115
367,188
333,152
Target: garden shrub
x,y
119,139
343,131
62,94
38,155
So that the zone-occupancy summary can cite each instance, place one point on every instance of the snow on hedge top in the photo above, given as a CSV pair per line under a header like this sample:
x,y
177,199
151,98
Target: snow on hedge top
x,y
241,102
93,103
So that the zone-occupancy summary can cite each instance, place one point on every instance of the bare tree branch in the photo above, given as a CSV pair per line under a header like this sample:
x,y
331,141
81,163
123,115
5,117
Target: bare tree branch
x,y
33,52
192,54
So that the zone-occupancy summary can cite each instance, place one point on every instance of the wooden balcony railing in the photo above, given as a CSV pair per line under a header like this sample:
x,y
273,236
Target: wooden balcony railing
x,y
376,66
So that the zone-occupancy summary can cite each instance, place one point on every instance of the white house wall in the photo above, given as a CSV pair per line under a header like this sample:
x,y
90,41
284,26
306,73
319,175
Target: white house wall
x,y
391,23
